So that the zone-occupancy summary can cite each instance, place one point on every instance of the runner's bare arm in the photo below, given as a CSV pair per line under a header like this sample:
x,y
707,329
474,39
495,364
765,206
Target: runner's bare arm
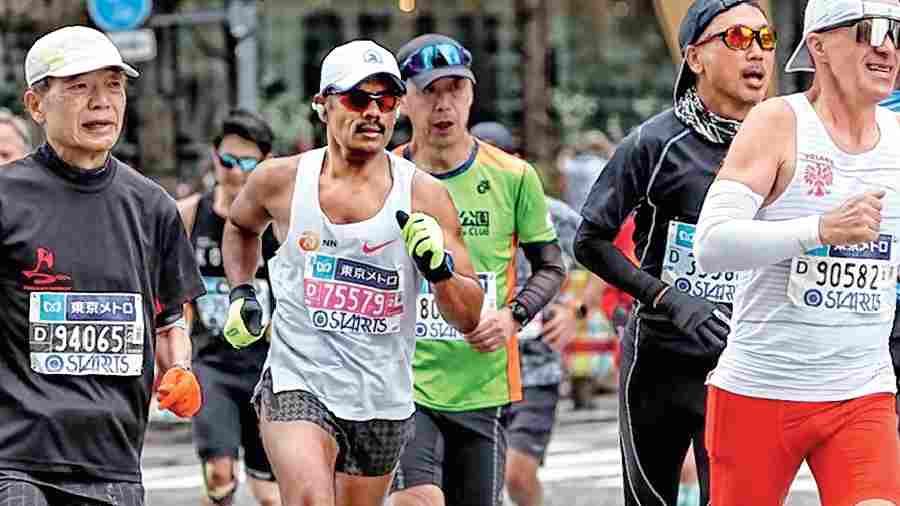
x,y
762,158
173,348
258,202
187,209
728,236
460,297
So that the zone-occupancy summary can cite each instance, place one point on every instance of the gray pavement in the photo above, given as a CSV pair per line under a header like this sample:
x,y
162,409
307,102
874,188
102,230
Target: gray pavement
x,y
583,463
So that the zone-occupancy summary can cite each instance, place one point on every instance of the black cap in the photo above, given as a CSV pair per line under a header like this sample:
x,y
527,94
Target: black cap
x,y
699,16
423,79
496,134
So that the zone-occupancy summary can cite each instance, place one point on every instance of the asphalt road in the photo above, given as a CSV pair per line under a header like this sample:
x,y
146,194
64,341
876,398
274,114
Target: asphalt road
x,y
582,467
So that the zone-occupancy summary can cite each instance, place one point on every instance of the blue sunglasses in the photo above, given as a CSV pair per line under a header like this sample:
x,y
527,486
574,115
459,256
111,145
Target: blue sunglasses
x,y
433,57
230,161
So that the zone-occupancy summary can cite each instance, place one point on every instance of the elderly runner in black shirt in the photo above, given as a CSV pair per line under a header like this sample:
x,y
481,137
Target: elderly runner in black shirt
x,y
95,268
663,170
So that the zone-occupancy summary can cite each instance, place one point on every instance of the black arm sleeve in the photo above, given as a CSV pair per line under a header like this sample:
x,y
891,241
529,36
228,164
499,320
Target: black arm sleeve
x,y
595,250
547,275
895,342
622,186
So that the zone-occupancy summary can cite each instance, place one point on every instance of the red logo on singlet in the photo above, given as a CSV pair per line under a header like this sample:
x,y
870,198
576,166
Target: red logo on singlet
x,y
818,174
41,276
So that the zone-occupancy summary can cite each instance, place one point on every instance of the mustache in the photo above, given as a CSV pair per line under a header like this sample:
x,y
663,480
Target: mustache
x,y
369,125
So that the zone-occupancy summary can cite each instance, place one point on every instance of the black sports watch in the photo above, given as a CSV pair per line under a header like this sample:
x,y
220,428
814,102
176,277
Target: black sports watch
x,y
519,313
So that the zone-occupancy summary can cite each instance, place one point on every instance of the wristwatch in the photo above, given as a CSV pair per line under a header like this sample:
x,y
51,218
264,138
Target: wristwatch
x,y
519,313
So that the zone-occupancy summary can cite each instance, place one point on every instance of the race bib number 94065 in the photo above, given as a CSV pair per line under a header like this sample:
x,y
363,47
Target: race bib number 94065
x,y
853,279
680,269
86,333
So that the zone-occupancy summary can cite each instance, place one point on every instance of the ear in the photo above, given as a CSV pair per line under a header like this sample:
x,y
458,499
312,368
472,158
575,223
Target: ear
x,y
402,109
318,105
694,60
815,44
34,105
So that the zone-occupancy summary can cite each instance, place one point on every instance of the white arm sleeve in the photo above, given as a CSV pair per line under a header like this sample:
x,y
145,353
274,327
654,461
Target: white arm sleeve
x,y
728,238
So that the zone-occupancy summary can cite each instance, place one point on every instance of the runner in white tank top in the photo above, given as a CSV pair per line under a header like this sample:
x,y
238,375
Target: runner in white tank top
x,y
807,374
359,228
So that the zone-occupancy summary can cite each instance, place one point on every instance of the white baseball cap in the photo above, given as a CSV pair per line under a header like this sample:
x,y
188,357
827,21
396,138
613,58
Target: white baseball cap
x,y
824,14
70,51
352,63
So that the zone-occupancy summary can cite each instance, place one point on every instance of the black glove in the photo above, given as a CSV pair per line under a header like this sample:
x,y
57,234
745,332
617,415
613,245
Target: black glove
x,y
702,321
244,325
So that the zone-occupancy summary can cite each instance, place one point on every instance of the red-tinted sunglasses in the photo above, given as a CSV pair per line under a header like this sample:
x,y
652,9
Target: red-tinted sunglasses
x,y
741,37
358,100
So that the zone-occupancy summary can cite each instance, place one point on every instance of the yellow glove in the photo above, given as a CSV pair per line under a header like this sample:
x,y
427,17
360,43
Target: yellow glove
x,y
244,325
424,240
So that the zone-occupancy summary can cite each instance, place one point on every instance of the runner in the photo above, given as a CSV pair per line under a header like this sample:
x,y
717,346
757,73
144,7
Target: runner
x,y
807,373
458,454
529,423
15,139
663,169
227,421
335,400
96,267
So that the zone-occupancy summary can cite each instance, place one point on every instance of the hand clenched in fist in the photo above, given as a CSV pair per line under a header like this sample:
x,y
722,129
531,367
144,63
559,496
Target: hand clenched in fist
x,y
856,221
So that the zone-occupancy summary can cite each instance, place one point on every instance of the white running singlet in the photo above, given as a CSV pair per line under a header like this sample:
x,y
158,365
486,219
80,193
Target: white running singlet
x,y
344,322
815,327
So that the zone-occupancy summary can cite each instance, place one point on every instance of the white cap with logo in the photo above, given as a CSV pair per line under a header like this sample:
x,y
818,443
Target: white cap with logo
x,y
349,64
70,51
823,14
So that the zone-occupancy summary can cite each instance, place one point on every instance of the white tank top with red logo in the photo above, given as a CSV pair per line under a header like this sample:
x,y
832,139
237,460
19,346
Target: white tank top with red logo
x,y
344,321
816,327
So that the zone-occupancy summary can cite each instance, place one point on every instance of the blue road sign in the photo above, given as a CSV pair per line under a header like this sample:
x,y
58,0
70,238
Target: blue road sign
x,y
118,15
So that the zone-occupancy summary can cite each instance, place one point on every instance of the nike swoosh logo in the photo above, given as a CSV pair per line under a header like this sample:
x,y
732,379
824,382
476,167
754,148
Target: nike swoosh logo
x,y
371,250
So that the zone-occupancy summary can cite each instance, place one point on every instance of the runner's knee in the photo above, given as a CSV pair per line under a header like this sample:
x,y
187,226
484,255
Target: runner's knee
x,y
220,481
265,492
420,495
518,477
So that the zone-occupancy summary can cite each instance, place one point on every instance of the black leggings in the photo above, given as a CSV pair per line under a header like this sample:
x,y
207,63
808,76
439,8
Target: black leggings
x,y
661,412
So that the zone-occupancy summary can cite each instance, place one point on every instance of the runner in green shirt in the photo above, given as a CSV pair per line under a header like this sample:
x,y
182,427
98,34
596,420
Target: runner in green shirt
x,y
462,382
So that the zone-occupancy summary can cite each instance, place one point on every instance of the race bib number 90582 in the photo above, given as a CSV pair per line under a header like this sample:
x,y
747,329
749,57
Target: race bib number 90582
x,y
86,333
854,279
680,269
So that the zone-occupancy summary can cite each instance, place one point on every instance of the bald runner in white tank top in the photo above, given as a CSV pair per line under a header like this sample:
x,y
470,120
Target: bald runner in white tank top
x,y
343,328
815,327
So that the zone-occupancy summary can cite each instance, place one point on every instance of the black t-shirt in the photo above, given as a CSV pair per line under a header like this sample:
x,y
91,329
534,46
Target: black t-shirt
x,y
662,171
211,310
88,261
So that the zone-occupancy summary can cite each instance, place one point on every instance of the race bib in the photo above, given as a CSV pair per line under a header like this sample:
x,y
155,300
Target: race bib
x,y
344,295
429,322
212,308
86,333
680,270
850,279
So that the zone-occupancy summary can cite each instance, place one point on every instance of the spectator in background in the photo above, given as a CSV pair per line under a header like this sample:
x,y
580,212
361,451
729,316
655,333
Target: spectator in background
x,y
579,172
15,138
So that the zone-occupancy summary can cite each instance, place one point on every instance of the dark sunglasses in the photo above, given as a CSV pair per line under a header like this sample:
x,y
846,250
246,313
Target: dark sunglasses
x,y
741,37
872,31
230,161
433,57
358,100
